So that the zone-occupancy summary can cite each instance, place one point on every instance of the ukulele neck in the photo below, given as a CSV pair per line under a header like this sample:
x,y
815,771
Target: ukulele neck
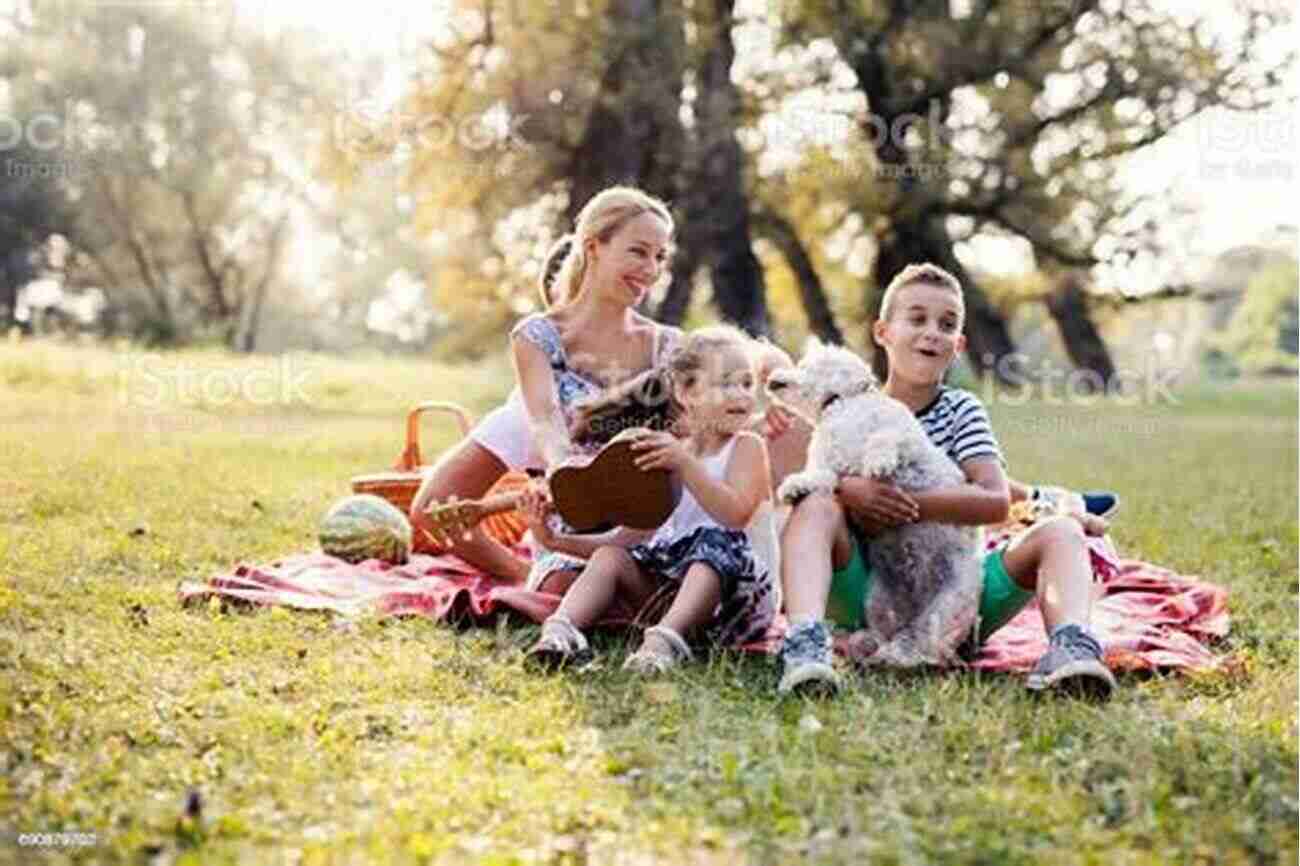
x,y
498,504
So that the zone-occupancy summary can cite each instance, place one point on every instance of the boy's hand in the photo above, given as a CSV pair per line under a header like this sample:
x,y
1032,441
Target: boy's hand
x,y
876,505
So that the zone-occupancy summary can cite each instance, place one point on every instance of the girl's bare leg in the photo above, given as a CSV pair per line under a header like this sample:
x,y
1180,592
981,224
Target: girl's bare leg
x,y
692,607
467,472
610,573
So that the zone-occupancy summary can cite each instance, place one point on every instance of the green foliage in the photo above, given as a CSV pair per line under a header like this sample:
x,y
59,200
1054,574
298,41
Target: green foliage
x,y
1261,336
404,742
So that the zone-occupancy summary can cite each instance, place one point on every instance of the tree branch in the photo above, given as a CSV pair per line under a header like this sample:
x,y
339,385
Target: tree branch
x,y
991,66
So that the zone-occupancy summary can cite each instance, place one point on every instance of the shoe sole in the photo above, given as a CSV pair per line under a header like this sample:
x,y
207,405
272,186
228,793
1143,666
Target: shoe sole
x,y
553,660
1086,679
811,681
1109,512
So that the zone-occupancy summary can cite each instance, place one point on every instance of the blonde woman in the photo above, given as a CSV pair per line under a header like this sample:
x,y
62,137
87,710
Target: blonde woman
x,y
590,339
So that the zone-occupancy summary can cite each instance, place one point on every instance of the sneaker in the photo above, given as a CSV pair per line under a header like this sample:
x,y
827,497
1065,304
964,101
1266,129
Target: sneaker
x,y
1072,664
561,644
806,658
1102,503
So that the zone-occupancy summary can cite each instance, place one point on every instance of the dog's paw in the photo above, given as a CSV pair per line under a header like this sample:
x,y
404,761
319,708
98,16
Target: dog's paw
x,y
881,463
799,485
793,489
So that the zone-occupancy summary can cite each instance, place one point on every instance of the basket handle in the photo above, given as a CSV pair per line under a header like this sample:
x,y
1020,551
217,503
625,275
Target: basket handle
x,y
409,461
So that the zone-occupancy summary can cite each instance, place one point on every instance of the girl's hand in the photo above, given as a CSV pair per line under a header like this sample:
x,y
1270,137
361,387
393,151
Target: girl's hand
x,y
876,504
660,451
535,505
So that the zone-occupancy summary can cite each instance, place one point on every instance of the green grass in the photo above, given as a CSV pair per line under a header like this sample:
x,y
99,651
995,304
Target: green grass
x,y
409,742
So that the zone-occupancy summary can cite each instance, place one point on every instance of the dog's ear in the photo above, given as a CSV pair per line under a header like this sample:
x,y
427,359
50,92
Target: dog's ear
x,y
812,344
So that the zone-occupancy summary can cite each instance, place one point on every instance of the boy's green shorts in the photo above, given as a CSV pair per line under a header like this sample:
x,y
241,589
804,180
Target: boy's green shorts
x,y
1000,600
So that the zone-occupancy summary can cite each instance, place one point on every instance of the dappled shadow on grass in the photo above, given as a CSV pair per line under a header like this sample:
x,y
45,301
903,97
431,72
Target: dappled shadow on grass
x,y
403,741
955,764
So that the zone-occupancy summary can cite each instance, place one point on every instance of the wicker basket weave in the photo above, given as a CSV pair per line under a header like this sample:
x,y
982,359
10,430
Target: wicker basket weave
x,y
400,485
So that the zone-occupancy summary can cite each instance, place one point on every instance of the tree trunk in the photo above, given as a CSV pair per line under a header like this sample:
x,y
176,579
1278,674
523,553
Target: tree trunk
x,y
633,133
916,234
1068,305
15,271
672,309
738,285
821,319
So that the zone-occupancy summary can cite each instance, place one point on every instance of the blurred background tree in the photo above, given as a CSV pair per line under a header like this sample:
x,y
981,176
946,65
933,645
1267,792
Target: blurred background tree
x,y
227,182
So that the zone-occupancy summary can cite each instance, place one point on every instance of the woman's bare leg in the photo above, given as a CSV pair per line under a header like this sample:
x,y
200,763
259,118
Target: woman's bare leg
x,y
467,472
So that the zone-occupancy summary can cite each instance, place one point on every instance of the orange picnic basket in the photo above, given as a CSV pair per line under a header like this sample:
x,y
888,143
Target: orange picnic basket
x,y
400,484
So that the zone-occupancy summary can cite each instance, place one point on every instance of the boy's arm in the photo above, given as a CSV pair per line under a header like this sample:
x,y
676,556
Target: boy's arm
x,y
985,498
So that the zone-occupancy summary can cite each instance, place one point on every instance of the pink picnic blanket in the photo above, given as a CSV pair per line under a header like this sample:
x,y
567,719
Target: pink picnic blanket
x,y
1147,617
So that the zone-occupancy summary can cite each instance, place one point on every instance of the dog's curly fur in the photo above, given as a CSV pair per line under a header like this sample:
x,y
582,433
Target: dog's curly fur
x,y
926,576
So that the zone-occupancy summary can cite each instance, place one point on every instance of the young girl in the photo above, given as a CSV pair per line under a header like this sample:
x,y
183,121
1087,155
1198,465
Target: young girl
x,y
716,548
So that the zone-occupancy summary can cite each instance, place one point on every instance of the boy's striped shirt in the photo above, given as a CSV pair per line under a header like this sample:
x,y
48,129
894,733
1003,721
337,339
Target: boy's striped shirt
x,y
958,425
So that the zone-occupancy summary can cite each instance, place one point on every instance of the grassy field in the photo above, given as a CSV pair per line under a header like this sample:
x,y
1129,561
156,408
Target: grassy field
x,y
407,742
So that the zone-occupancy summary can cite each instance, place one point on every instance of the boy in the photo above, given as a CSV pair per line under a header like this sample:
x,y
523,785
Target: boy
x,y
920,329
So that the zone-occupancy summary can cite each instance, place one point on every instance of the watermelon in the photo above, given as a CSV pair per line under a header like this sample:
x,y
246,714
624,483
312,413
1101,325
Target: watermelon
x,y
366,526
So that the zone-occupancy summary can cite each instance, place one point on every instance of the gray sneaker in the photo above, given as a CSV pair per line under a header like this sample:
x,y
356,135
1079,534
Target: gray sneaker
x,y
806,661
1072,664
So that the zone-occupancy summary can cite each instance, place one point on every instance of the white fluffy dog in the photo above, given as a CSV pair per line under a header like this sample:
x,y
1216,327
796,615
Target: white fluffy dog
x,y
926,576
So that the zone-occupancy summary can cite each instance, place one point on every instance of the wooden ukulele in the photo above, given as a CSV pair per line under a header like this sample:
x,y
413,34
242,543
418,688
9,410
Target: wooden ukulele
x,y
604,492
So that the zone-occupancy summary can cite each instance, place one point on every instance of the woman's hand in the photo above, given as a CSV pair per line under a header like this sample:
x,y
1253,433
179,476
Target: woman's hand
x,y
656,450
535,506
876,505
